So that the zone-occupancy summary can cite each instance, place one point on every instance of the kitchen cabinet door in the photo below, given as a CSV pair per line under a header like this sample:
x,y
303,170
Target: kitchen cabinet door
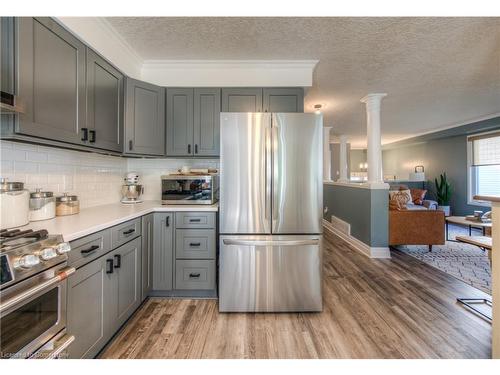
x,y
86,303
104,103
51,80
7,61
163,244
144,119
206,121
180,122
242,99
127,266
147,255
283,99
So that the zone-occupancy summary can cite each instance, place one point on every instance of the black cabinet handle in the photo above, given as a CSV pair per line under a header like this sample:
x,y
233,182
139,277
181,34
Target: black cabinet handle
x,y
167,221
90,249
118,261
85,137
194,244
130,231
92,136
109,265
130,145
189,149
194,275
195,149
194,220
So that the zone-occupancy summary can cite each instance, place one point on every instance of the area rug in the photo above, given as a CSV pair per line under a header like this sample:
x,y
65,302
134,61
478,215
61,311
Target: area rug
x,y
465,262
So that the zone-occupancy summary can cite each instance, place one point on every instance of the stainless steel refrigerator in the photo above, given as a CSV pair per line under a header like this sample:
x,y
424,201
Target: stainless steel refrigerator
x,y
271,199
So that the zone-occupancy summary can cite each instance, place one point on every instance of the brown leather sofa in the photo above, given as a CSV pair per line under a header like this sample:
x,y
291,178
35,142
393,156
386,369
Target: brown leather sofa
x,y
419,227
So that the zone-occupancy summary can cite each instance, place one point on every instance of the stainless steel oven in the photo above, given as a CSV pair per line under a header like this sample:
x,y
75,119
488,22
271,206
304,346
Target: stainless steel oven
x,y
189,189
33,297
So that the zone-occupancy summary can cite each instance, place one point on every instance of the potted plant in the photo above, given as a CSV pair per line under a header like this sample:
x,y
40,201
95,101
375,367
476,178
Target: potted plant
x,y
443,193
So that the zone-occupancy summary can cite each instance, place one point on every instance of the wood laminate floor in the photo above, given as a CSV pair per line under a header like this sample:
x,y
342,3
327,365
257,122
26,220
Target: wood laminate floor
x,y
397,308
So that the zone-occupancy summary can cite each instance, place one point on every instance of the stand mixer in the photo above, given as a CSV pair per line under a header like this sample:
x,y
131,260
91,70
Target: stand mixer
x,y
132,191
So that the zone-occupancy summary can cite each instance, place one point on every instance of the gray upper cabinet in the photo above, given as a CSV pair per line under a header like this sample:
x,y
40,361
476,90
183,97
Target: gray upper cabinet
x,y
104,103
180,122
163,255
242,99
144,118
51,80
206,121
283,99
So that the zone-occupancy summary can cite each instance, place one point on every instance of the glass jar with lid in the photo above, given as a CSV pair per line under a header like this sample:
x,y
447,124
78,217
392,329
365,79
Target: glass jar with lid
x,y
14,204
67,205
42,205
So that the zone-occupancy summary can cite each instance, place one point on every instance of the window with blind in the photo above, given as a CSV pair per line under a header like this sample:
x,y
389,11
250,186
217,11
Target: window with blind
x,y
484,158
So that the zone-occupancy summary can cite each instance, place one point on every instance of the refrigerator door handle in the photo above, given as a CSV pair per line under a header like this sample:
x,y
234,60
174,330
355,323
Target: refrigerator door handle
x,y
268,171
271,243
275,171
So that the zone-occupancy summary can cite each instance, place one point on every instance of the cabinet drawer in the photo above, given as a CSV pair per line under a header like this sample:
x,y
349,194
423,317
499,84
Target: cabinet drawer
x,y
125,232
194,220
88,248
195,274
195,244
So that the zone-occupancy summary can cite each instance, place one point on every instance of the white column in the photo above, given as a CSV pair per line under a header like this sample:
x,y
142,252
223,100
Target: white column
x,y
327,154
374,149
343,159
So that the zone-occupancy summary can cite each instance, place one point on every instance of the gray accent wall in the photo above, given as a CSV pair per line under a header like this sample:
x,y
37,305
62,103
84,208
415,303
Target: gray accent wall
x,y
445,152
366,210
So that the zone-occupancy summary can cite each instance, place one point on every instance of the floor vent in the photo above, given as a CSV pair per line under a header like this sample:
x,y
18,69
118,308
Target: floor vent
x,y
341,225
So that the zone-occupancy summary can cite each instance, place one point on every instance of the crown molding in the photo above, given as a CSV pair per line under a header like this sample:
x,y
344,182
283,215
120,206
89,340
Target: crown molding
x,y
98,33
229,73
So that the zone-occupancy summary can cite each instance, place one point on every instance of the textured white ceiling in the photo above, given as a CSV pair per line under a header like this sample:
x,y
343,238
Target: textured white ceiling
x,y
437,71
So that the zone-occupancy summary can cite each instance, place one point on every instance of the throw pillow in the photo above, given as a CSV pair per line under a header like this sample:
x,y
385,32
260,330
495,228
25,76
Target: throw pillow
x,y
403,197
418,196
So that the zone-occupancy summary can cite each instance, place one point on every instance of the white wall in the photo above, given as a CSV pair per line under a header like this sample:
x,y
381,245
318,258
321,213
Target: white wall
x,y
95,178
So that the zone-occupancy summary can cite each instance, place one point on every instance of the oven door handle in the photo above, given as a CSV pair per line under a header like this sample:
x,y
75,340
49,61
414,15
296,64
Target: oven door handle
x,y
10,302
60,345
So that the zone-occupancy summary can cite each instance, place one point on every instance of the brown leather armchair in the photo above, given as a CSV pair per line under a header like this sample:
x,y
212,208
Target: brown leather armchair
x,y
419,227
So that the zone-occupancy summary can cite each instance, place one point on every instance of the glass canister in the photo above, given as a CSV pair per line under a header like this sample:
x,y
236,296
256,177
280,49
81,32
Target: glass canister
x,y
67,205
14,204
42,205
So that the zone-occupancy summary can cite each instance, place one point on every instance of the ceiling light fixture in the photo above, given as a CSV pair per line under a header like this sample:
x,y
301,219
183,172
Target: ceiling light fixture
x,y
317,108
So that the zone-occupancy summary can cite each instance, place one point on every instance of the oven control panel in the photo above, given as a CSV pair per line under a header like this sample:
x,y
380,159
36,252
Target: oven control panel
x,y
5,271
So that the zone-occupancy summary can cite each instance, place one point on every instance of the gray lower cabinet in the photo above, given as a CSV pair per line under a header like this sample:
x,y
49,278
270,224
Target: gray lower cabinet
x,y
147,255
104,104
283,99
163,251
195,274
242,99
51,80
89,296
206,134
180,122
144,129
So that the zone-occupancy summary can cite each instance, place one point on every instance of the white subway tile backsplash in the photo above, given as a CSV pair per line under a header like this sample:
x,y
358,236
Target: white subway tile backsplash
x,y
95,178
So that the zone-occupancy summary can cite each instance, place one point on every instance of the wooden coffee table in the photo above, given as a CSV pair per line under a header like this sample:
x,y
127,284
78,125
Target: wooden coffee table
x,y
461,220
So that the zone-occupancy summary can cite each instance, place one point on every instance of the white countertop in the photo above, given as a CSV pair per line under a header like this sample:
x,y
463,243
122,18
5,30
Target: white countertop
x,y
93,219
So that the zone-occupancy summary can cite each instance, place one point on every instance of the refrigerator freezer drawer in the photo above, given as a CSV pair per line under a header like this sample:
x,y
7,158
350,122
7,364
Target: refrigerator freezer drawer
x,y
270,273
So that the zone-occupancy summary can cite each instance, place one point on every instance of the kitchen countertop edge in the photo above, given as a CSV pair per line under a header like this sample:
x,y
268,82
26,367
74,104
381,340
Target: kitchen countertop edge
x,y
94,219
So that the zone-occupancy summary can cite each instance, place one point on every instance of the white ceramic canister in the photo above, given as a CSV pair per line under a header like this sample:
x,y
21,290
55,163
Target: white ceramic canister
x,y
42,205
14,204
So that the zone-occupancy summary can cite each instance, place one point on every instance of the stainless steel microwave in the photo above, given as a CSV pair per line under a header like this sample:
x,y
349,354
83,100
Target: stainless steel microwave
x,y
189,189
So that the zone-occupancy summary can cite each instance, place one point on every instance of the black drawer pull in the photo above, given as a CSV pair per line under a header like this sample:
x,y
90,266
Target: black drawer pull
x,y
194,220
194,244
130,231
194,275
109,265
85,134
118,261
167,223
195,149
189,149
92,136
90,249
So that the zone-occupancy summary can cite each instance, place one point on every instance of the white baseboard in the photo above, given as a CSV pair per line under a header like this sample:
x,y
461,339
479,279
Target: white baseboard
x,y
371,252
